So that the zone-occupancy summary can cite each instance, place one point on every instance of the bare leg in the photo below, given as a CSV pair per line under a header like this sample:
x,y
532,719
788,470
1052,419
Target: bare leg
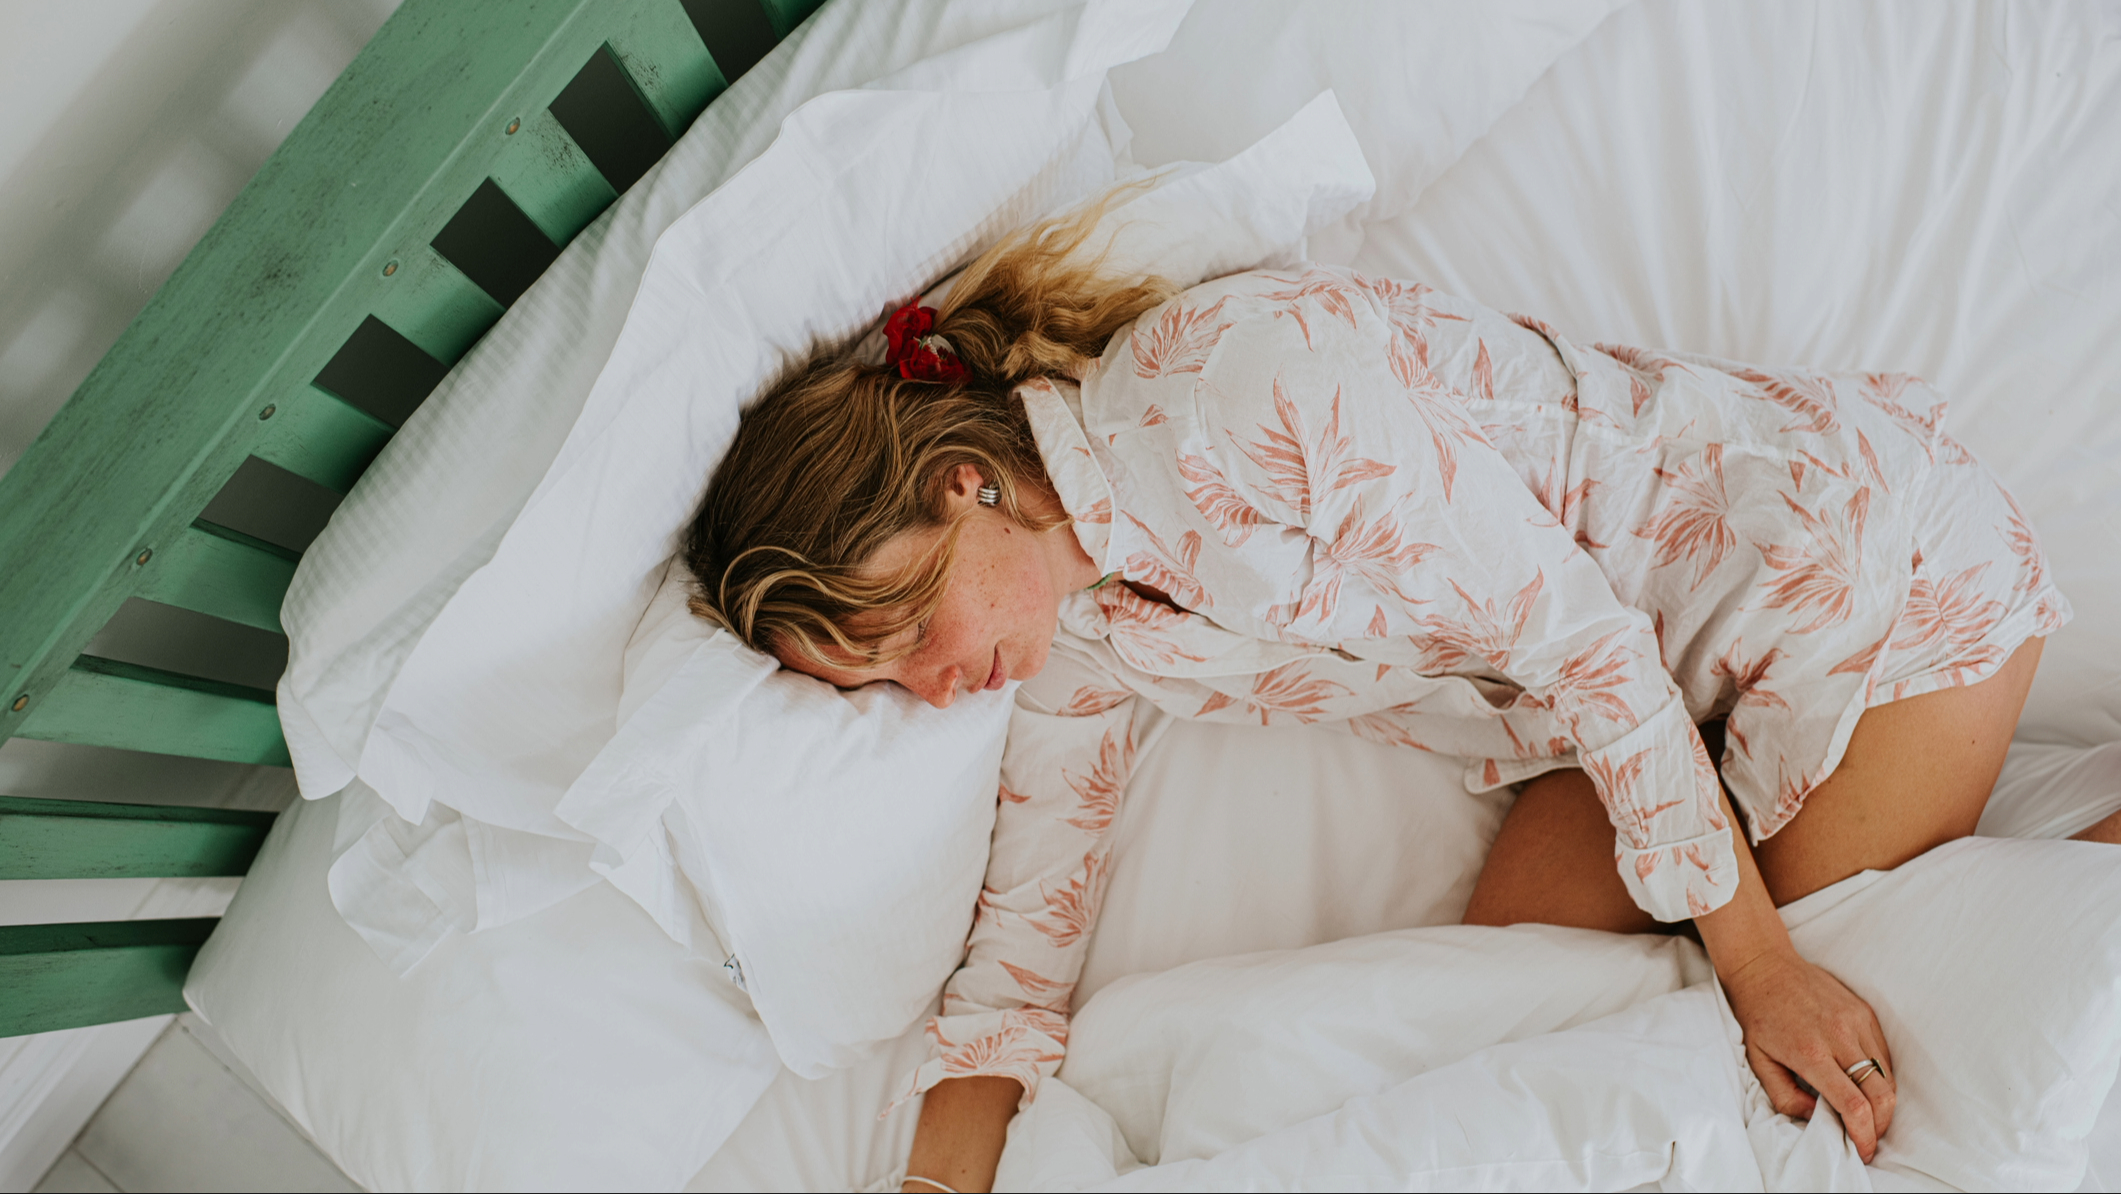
x,y
2108,831
1552,863
1917,774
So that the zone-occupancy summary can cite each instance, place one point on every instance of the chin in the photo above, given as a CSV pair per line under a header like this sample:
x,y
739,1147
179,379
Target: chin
x,y
1033,662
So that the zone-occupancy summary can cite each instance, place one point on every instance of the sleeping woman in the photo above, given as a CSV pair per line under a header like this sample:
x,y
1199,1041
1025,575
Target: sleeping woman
x,y
1314,496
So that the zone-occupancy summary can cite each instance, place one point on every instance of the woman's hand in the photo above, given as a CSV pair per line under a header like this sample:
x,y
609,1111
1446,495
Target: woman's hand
x,y
1801,1023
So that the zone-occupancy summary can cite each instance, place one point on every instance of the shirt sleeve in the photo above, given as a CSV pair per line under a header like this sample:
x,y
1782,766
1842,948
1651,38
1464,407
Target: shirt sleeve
x,y
1072,740
1421,546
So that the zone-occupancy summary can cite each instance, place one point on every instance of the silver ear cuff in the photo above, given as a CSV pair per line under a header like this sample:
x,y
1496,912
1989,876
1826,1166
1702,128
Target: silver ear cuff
x,y
990,494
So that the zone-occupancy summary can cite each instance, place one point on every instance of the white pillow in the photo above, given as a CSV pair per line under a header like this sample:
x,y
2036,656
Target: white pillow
x,y
1419,82
1995,970
433,506
512,689
576,1049
838,840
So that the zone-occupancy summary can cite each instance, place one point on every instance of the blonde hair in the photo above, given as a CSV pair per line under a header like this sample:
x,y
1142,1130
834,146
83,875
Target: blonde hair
x,y
840,457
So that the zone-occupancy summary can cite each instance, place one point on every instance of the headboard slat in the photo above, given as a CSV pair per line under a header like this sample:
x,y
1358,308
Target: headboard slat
x,y
495,245
65,976
83,839
551,179
381,373
102,702
612,122
215,570
317,436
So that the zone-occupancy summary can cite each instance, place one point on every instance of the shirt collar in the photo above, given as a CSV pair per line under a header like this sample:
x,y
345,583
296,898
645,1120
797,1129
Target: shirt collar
x,y
1052,407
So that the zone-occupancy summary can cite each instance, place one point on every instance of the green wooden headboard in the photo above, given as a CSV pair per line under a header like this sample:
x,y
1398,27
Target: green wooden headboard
x,y
437,178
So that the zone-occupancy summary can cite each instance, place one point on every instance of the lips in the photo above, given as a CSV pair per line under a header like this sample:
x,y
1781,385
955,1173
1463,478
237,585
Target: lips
x,y
997,677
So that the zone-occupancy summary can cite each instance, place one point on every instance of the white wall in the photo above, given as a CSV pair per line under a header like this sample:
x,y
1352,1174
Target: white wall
x,y
129,125
126,126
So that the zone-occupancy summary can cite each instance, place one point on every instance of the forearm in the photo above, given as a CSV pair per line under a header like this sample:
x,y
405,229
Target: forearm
x,y
964,1123
1747,927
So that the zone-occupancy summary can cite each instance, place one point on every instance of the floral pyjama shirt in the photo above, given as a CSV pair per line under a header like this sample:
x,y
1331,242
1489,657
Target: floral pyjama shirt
x,y
1378,507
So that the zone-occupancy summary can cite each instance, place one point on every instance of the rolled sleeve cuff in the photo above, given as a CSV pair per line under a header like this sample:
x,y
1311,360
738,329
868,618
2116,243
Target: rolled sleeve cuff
x,y
1672,842
1026,1044
1683,879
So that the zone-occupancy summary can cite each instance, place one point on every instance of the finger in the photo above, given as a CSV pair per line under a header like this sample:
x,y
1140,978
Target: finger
x,y
1880,1088
1834,1085
1782,1090
1883,1097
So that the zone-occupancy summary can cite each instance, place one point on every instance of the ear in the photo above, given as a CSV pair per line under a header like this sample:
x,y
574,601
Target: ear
x,y
961,488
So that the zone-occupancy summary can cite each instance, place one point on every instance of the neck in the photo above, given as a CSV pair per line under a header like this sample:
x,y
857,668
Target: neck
x,y
1071,566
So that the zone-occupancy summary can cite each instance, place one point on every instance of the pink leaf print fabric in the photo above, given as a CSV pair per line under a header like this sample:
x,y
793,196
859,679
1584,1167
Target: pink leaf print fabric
x,y
1071,908
1484,633
1212,494
1329,290
1291,690
1041,990
1804,395
1694,525
1393,512
1645,369
1168,570
1179,341
1294,466
1100,789
1375,549
1823,573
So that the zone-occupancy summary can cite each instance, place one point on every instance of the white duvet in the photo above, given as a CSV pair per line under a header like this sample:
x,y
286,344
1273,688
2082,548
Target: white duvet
x,y
1534,1057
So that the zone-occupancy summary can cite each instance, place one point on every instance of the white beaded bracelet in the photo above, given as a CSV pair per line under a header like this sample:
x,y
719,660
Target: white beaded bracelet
x,y
926,1181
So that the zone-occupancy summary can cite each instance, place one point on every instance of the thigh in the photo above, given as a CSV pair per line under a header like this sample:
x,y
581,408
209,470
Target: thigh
x,y
1917,774
1552,863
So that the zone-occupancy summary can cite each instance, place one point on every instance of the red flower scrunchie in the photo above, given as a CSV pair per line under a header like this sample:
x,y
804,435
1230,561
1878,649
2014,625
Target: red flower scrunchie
x,y
919,354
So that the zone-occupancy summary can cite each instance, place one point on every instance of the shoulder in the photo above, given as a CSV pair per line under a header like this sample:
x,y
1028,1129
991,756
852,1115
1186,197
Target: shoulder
x,y
1273,310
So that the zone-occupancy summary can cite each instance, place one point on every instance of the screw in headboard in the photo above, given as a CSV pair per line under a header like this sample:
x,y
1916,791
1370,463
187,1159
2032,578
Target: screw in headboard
x,y
513,125
21,703
146,554
268,412
390,267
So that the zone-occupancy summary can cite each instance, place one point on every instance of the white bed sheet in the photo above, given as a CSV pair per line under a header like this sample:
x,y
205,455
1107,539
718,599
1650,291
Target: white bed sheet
x,y
1892,186
1887,186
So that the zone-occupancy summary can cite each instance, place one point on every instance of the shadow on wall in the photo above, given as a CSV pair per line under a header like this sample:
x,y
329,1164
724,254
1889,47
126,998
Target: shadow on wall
x,y
132,124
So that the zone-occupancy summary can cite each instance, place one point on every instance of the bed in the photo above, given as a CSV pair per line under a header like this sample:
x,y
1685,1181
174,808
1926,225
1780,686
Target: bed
x,y
1989,269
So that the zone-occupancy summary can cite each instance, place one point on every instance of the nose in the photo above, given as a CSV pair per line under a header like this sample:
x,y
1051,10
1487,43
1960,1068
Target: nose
x,y
938,688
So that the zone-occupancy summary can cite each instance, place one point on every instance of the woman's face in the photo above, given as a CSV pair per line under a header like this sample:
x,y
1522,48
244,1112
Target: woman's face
x,y
998,612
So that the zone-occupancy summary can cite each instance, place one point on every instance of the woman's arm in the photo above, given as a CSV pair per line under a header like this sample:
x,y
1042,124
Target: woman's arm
x,y
1004,1021
964,1123
1800,1022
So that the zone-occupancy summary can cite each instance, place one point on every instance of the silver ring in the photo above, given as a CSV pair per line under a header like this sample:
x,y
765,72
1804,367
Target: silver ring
x,y
1863,1069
